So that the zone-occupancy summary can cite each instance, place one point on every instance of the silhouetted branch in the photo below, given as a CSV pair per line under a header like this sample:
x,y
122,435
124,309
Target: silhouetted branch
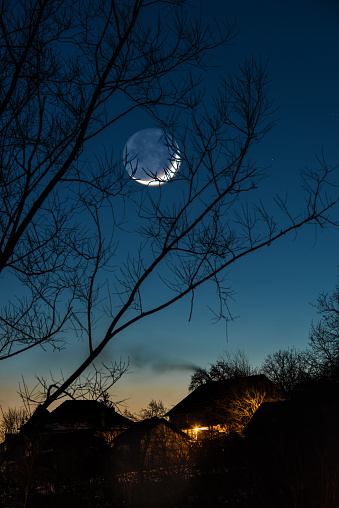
x,y
69,71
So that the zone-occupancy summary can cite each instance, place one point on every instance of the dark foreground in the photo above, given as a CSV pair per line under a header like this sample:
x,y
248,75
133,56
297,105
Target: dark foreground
x,y
299,471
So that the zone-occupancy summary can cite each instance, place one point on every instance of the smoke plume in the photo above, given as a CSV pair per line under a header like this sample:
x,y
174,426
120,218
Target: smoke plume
x,y
142,358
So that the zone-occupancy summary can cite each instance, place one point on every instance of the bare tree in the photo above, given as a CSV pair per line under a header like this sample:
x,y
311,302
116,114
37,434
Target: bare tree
x,y
228,366
292,369
153,408
71,71
12,420
93,385
241,398
243,405
199,377
324,334
289,368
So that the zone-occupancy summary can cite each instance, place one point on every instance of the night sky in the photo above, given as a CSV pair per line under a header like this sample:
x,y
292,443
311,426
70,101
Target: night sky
x,y
273,288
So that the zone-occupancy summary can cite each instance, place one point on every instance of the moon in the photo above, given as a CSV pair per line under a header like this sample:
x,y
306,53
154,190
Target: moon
x,y
151,157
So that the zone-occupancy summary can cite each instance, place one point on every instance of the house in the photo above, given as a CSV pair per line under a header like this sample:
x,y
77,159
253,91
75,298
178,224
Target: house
x,y
272,418
74,439
151,444
294,445
220,407
87,415
296,419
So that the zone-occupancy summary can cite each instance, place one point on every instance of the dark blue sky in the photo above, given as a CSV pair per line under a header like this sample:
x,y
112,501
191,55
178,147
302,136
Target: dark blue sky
x,y
274,286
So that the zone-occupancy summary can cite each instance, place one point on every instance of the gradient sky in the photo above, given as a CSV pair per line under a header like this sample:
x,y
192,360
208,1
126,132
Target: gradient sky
x,y
273,287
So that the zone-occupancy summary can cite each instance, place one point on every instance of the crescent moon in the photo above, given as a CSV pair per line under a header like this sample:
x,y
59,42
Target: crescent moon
x,y
151,157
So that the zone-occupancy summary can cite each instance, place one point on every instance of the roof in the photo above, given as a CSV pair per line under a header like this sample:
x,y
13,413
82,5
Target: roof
x,y
77,414
139,429
39,416
293,417
203,396
270,417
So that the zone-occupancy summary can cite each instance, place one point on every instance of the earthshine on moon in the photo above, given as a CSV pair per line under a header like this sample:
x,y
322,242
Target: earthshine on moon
x,y
151,157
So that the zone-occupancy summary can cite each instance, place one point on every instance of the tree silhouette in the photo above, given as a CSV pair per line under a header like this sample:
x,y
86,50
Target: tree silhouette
x,y
324,335
71,71
11,421
243,403
289,368
228,366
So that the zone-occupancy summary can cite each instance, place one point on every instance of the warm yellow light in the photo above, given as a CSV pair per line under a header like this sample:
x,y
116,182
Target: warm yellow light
x,y
196,430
